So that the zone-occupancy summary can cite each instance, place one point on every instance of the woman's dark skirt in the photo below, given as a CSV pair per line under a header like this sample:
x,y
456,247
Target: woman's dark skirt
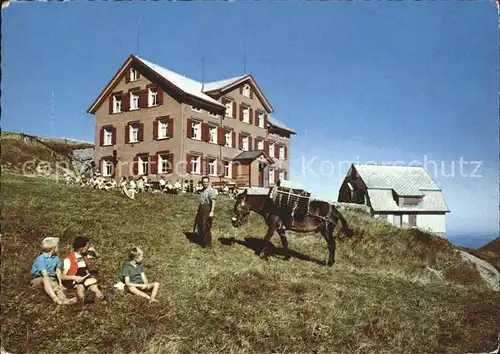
x,y
204,225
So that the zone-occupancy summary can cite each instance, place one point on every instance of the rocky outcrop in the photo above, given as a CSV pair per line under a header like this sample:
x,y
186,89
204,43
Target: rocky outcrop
x,y
82,160
488,272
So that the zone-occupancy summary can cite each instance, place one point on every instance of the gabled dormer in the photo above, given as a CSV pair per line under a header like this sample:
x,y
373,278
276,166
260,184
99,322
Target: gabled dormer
x,y
246,86
409,201
275,127
134,69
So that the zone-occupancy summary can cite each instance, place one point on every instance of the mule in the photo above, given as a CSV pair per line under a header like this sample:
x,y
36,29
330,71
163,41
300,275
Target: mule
x,y
322,217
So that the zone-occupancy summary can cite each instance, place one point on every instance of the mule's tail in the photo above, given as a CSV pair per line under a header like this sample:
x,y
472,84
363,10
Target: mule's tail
x,y
345,226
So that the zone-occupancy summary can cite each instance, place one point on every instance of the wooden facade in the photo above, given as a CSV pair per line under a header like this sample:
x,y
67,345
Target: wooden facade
x,y
251,169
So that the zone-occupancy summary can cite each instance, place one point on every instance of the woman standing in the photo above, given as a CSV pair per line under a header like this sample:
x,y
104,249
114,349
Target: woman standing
x,y
205,213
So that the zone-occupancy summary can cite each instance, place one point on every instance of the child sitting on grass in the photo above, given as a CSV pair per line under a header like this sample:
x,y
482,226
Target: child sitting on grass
x,y
46,272
76,274
134,277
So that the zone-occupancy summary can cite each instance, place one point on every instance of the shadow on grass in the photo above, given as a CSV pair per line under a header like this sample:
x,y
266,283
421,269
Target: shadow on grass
x,y
257,245
194,237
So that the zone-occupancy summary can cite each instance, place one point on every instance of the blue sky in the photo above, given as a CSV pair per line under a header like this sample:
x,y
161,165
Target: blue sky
x,y
360,82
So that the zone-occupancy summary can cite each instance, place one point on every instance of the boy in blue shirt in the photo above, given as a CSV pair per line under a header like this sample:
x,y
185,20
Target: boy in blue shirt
x,y
46,272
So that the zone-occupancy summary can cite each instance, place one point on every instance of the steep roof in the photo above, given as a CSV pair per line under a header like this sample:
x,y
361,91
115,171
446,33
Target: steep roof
x,y
383,200
217,85
251,155
274,122
220,87
414,181
178,82
186,84
404,180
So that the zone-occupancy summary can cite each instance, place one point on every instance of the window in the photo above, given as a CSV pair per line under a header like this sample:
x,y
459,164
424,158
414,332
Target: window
x,y
412,219
282,152
351,191
164,164
271,175
143,165
134,100
261,120
409,201
163,129
229,138
195,164
260,145
246,115
246,91
212,167
281,175
153,97
107,168
134,134
397,220
212,131
244,141
108,136
227,169
117,104
134,75
271,149
229,108
196,109
196,130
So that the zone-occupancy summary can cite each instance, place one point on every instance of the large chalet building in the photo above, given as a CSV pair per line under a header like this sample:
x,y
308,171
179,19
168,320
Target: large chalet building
x,y
150,121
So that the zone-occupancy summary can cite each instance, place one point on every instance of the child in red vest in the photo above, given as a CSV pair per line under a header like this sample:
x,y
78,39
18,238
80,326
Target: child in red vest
x,y
76,273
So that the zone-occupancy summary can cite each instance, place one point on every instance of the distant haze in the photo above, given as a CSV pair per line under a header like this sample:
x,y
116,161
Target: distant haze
x,y
471,241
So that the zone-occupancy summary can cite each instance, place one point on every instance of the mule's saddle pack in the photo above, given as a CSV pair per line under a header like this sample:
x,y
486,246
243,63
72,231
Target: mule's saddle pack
x,y
294,199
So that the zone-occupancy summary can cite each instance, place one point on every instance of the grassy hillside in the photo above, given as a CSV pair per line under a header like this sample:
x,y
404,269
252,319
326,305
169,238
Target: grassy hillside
x,y
378,297
489,252
492,246
15,152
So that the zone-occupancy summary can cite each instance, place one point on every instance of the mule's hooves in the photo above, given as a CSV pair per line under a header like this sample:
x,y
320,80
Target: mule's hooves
x,y
287,258
330,263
